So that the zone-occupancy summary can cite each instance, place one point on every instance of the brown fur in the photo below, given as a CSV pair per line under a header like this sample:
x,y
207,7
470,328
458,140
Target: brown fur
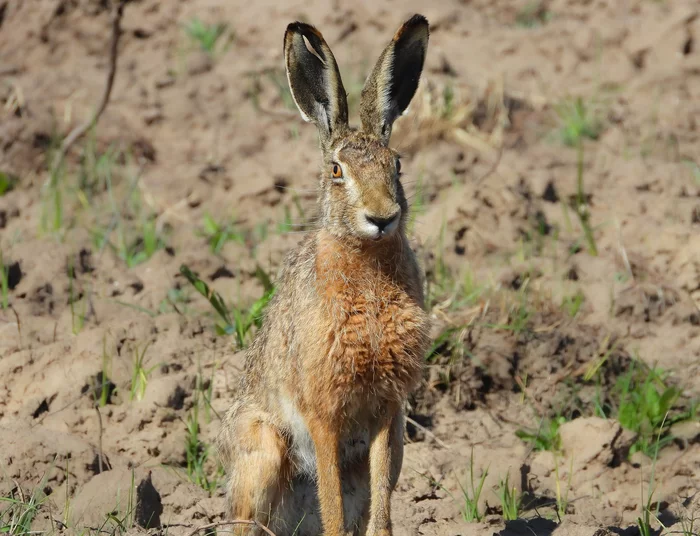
x,y
316,435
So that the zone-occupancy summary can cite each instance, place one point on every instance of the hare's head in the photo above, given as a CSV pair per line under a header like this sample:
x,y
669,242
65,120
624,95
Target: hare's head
x,y
361,194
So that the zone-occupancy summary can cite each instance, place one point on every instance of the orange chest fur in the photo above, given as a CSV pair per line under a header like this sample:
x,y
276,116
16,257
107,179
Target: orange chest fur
x,y
376,333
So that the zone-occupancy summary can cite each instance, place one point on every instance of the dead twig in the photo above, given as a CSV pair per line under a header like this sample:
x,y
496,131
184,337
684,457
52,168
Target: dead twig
x,y
428,432
19,491
224,523
80,130
492,169
99,444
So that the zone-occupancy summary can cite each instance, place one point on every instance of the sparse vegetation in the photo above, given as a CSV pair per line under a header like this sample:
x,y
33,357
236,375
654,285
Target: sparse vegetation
x,y
218,233
205,35
694,168
646,405
297,222
52,213
516,311
562,492
688,527
236,321
7,182
471,495
544,437
535,13
572,304
510,499
17,511
176,299
644,520
4,283
417,206
138,235
140,374
102,391
78,313
581,204
198,454
578,121
449,342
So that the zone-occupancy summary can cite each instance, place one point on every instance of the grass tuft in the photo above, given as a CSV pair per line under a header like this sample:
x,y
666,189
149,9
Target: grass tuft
x,y
646,405
197,453
577,121
546,437
572,304
205,35
239,322
4,283
510,498
7,182
533,14
140,374
470,511
218,233
19,512
562,495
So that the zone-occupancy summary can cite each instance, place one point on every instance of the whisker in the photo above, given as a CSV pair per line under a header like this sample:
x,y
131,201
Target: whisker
x,y
298,190
296,232
294,226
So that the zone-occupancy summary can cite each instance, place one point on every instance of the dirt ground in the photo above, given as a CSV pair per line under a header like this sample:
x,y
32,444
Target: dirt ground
x,y
546,352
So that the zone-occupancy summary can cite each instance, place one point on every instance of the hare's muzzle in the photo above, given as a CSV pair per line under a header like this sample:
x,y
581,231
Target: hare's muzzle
x,y
378,227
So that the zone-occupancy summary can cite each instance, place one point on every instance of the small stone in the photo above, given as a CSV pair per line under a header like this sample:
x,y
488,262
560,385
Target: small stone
x,y
152,115
686,430
199,63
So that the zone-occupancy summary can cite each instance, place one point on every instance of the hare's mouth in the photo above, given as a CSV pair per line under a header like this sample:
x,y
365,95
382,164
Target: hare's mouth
x,y
379,227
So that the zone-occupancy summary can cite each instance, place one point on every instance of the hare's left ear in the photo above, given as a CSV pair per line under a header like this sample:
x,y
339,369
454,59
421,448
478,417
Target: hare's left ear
x,y
394,80
314,79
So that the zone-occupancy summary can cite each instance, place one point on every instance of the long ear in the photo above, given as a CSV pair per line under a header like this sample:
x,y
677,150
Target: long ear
x,y
314,79
394,80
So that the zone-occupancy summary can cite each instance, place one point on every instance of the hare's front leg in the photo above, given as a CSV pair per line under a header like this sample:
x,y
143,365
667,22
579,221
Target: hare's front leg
x,y
385,459
255,455
326,439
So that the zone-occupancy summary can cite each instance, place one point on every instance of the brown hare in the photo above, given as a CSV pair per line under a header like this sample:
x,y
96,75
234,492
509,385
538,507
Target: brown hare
x,y
314,442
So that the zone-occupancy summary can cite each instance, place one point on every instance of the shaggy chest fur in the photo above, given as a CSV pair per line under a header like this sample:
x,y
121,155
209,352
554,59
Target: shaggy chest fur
x,y
376,330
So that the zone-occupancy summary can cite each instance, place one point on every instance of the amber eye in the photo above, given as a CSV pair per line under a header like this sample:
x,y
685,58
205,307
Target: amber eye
x,y
336,172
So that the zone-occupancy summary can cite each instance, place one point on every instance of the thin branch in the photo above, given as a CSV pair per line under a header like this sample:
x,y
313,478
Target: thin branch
x,y
492,169
19,325
99,420
80,130
224,523
428,432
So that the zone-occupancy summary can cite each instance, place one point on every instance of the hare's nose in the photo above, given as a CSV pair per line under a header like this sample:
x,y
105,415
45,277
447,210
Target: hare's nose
x,y
383,223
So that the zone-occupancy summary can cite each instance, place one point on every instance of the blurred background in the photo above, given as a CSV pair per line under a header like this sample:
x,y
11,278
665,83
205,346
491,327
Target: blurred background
x,y
552,159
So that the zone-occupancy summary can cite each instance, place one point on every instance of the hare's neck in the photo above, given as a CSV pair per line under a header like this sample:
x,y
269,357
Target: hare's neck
x,y
352,260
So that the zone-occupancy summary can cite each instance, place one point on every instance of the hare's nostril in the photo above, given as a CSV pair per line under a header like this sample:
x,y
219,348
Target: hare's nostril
x,y
382,222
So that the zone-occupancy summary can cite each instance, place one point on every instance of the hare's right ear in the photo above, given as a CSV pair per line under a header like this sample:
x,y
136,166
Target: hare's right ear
x,y
314,79
394,80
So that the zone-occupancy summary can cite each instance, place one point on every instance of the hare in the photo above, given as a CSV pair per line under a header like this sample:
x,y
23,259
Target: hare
x,y
314,442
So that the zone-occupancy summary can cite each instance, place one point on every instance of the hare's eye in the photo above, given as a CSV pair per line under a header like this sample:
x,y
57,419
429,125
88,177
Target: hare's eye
x,y
336,172
398,166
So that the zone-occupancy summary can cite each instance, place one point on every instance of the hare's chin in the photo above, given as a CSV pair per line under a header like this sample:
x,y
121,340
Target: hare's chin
x,y
368,231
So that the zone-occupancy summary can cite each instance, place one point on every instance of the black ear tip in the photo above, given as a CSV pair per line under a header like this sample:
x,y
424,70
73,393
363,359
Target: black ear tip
x,y
416,23
302,28
416,20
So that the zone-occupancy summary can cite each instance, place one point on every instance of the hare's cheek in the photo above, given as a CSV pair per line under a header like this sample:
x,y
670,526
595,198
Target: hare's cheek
x,y
352,192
